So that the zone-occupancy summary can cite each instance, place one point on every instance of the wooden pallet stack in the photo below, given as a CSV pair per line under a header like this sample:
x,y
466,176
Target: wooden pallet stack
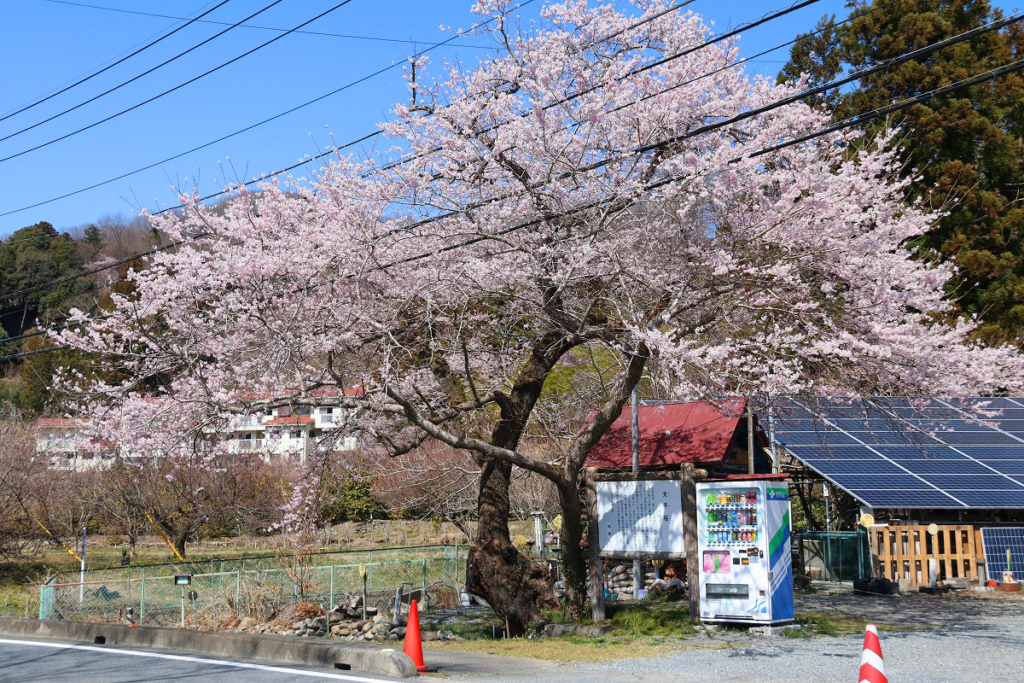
x,y
902,553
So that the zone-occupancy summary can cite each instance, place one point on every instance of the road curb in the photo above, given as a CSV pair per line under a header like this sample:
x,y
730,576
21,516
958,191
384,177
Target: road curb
x,y
268,649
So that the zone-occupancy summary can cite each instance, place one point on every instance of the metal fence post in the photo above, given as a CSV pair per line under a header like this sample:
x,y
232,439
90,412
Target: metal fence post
x,y
331,601
46,598
238,594
423,595
142,596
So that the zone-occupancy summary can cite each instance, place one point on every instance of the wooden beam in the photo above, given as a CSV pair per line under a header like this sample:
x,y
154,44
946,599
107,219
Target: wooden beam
x,y
596,570
688,489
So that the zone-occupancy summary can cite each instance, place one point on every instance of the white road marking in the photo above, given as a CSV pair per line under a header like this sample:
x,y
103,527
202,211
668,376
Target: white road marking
x,y
197,660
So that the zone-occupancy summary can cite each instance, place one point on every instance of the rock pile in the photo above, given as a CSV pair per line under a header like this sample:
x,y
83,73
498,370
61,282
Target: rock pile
x,y
620,577
338,624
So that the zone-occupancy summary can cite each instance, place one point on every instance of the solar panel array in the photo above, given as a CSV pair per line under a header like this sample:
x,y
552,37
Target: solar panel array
x,y
997,541
911,453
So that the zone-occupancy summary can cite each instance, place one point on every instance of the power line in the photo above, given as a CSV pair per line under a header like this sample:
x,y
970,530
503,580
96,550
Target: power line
x,y
268,28
141,75
718,38
107,61
917,99
928,49
847,123
351,84
111,66
710,127
177,87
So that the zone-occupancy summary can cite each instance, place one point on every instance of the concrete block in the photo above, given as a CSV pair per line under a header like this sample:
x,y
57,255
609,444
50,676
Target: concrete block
x,y
264,648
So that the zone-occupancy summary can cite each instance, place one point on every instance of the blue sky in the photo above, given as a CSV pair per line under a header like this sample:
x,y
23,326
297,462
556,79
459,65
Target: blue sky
x,y
47,44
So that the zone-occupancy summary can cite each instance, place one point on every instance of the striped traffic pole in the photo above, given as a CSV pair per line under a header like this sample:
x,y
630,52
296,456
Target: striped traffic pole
x,y
872,669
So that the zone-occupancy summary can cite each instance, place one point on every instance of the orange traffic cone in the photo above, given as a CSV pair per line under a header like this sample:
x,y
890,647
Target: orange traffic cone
x,y
872,669
413,644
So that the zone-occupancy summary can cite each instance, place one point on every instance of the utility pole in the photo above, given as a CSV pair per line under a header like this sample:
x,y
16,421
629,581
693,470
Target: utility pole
x,y
635,405
750,436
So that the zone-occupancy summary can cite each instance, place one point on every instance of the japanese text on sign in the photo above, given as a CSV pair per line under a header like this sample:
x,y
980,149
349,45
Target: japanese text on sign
x,y
640,517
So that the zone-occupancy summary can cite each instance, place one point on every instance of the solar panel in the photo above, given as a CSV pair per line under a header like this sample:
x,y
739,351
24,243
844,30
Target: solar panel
x,y
830,468
809,438
994,452
934,452
987,438
903,482
991,499
1013,467
909,453
906,499
994,482
996,541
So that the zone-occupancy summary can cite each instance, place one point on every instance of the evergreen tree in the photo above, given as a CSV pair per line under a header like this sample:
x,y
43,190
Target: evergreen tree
x,y
963,150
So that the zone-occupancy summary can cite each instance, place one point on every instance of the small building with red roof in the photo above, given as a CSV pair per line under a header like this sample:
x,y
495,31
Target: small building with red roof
x,y
712,435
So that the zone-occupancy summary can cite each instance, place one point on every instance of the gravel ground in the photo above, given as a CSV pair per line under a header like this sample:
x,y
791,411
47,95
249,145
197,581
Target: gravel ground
x,y
971,639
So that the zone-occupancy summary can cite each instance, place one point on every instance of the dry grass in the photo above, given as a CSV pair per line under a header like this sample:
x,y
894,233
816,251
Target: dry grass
x,y
579,649
835,624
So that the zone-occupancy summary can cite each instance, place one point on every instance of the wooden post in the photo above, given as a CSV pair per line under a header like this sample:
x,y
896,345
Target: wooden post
x,y
750,437
688,489
596,571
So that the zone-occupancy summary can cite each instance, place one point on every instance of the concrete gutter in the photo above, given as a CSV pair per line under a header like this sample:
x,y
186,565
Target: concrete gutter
x,y
268,649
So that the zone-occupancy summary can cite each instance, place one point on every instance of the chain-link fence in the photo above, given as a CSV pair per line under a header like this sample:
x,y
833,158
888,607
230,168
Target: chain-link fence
x,y
258,587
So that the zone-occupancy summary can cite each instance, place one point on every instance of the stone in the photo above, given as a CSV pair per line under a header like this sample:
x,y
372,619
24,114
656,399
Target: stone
x,y
367,626
336,631
360,624
368,636
429,636
246,624
445,634
335,617
380,619
319,622
398,632
298,625
383,630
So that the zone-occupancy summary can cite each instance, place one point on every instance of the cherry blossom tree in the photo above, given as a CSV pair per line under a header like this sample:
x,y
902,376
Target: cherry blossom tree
x,y
593,190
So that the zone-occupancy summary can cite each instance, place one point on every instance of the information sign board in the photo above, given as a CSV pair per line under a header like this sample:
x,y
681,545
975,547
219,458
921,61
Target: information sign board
x,y
640,518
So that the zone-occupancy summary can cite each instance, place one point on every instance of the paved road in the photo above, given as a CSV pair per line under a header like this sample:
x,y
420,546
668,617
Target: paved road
x,y
28,661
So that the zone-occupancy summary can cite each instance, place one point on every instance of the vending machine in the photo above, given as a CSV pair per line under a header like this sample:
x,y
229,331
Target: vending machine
x,y
743,537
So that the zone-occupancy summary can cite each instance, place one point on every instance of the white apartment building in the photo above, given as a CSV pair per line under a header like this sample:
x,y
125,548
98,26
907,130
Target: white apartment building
x,y
61,440
290,432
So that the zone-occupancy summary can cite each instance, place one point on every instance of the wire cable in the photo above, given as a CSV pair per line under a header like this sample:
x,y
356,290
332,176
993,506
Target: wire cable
x,y
177,87
846,123
266,28
928,49
308,103
141,75
111,66
718,38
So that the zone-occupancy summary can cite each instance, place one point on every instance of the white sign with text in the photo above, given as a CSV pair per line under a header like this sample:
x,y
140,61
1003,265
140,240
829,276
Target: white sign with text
x,y
640,517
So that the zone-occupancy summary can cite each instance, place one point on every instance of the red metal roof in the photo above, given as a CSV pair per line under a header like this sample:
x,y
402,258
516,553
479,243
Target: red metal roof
x,y
58,422
670,433
290,420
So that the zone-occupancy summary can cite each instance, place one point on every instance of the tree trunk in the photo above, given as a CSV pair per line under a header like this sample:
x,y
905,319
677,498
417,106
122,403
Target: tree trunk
x,y
512,583
179,542
574,561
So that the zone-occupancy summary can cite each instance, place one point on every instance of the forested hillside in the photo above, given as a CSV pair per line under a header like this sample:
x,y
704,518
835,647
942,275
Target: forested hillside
x,y
963,151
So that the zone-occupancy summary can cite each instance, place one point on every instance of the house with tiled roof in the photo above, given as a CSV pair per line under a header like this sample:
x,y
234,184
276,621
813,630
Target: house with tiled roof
x,y
63,441
290,432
